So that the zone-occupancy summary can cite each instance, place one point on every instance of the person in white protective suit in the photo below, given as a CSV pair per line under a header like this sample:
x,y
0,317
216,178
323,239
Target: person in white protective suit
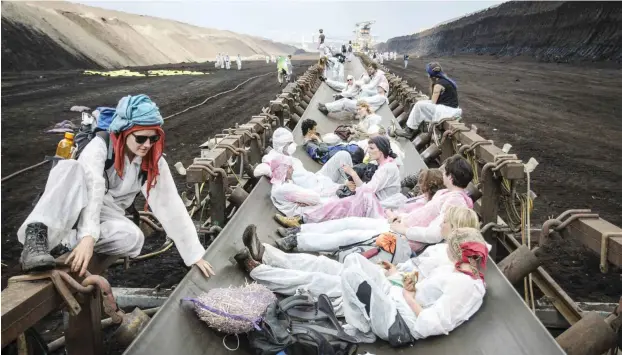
x,y
325,182
238,61
267,59
444,102
349,105
349,89
320,45
377,300
367,119
217,62
330,235
83,194
290,66
370,199
420,223
377,76
227,62
288,273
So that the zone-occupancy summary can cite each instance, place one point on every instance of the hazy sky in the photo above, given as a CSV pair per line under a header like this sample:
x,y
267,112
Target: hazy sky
x,y
290,20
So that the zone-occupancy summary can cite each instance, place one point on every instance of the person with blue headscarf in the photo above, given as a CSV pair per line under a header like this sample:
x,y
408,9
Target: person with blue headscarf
x,y
84,203
444,102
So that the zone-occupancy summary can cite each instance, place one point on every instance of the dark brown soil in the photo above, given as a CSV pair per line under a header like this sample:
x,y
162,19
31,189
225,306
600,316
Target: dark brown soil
x,y
33,102
568,118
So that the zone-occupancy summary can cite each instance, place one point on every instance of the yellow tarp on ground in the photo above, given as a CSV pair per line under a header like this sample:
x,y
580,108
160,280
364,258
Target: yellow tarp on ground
x,y
126,72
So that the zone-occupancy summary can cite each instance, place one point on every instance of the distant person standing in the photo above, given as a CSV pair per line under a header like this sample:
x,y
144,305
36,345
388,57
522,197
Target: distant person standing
x,y
321,45
228,62
290,67
405,61
349,55
239,62
267,59
281,69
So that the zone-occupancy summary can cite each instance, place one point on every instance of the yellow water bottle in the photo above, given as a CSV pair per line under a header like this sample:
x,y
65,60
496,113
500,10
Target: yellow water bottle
x,y
65,146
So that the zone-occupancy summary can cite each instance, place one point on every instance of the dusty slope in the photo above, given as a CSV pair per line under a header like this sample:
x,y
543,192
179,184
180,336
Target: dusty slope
x,y
54,35
549,31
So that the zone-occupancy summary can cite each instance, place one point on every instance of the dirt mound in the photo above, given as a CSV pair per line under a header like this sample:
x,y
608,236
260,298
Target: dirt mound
x,y
62,35
548,31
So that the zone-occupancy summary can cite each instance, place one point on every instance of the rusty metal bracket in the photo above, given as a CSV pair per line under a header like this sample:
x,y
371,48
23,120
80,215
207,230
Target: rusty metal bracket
x,y
469,148
561,222
604,251
54,275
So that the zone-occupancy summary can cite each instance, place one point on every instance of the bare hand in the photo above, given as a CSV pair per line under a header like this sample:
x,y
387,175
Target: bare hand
x,y
351,185
205,268
348,170
409,283
398,227
81,255
389,267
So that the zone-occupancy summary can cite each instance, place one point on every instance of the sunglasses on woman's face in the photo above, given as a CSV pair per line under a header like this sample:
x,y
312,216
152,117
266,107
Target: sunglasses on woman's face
x,y
143,139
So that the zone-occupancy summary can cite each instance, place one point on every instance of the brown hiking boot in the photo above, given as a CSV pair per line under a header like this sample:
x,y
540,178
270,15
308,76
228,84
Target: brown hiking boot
x,y
288,222
252,242
36,256
246,261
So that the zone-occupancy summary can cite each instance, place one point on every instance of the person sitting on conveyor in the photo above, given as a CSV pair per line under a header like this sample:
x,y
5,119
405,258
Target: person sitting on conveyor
x,y
457,173
349,105
370,199
436,255
378,301
377,77
322,152
349,89
329,236
418,224
91,194
444,103
367,119
325,182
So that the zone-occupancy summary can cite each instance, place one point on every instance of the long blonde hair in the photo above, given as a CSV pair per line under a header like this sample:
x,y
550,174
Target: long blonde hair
x,y
467,245
461,217
365,105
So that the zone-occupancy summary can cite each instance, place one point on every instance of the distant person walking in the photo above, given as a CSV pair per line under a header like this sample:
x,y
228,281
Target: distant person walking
x,y
321,45
228,62
239,62
405,61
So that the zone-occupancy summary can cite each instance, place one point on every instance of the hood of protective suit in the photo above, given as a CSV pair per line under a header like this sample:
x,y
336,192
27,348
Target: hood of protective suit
x,y
281,138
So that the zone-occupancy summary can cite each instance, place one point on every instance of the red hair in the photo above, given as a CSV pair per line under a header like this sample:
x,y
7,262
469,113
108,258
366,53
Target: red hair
x,y
149,162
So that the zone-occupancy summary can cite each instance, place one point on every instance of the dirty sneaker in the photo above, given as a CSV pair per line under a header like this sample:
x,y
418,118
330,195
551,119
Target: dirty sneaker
x,y
286,232
288,222
288,243
250,240
36,256
245,260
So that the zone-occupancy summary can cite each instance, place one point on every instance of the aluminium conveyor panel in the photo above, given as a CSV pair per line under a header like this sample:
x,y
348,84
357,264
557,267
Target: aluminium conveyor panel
x,y
503,325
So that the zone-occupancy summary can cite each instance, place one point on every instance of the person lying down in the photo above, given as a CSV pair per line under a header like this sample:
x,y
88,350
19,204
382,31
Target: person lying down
x,y
374,305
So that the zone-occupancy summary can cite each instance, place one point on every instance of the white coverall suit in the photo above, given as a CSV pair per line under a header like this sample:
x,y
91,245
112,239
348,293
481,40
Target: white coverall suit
x,y
448,298
427,111
325,182
76,192
349,105
239,63
228,62
370,88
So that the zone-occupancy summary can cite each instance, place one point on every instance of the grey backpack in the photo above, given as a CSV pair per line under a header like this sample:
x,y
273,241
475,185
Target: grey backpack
x,y
299,325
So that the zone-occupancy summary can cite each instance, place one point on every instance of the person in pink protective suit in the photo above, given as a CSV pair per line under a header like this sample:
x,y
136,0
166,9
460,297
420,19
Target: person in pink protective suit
x,y
370,199
422,224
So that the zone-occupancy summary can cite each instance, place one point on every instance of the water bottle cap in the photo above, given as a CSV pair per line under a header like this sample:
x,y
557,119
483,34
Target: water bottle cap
x,y
69,135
